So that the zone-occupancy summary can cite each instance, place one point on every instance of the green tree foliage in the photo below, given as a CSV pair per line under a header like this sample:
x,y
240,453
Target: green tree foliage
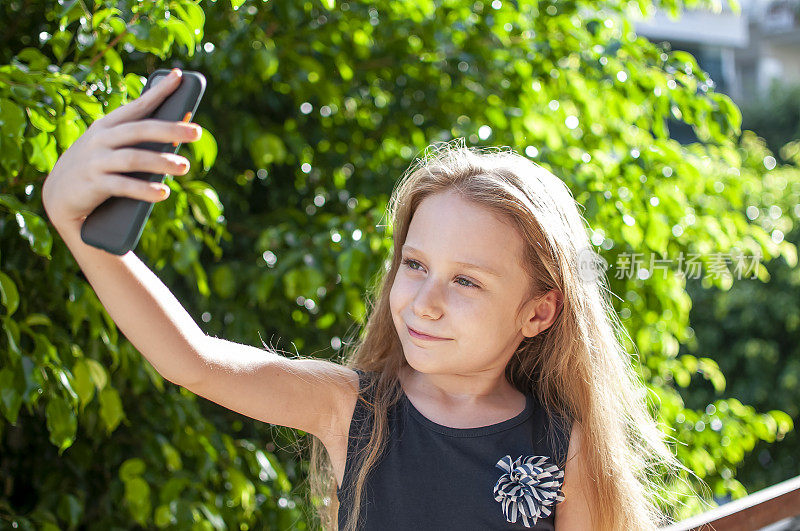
x,y
754,327
312,111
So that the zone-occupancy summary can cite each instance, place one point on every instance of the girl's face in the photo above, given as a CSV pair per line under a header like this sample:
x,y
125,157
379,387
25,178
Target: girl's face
x,y
479,313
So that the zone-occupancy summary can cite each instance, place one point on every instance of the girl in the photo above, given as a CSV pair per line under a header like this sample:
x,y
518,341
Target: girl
x,y
489,390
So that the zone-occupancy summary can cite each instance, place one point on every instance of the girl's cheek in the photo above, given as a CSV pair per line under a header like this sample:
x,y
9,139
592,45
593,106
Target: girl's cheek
x,y
404,284
402,292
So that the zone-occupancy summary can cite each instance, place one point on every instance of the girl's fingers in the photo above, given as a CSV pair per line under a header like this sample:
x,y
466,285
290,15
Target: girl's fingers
x,y
150,130
144,160
120,185
145,104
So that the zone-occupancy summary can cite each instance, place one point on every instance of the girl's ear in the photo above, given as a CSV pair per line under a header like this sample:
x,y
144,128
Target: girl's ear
x,y
539,314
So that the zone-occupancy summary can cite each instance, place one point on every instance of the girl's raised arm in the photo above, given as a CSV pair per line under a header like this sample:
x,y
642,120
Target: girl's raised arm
x,y
303,394
313,395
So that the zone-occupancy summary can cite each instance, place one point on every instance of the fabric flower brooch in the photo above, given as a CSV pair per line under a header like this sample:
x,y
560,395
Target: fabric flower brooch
x,y
529,488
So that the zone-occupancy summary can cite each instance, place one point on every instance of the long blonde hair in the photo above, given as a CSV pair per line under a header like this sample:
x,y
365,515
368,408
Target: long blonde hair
x,y
578,367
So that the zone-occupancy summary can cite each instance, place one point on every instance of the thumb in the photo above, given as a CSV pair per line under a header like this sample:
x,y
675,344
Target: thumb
x,y
147,102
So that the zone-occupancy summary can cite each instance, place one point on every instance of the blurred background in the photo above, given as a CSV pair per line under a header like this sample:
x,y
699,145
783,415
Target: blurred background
x,y
675,124
751,54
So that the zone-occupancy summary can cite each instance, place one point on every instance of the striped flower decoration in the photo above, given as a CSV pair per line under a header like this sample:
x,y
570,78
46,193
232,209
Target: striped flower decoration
x,y
529,488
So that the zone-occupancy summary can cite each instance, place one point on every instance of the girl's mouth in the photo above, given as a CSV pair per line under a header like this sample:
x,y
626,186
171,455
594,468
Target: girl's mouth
x,y
418,335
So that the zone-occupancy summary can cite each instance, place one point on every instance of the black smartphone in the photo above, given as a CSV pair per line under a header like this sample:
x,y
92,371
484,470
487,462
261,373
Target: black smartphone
x,y
117,223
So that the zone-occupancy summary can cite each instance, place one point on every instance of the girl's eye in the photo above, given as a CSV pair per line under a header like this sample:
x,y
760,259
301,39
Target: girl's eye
x,y
407,262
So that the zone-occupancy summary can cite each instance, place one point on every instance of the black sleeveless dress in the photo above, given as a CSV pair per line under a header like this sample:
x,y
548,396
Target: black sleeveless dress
x,y
432,477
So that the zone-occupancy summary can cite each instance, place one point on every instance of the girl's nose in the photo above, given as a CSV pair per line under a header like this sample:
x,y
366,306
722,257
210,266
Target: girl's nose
x,y
428,300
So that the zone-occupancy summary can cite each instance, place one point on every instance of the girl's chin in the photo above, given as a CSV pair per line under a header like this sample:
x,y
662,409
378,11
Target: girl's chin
x,y
423,360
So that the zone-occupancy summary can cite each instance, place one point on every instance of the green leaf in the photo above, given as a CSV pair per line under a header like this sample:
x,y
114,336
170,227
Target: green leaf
x,y
43,154
89,105
59,43
9,295
242,489
137,498
202,281
729,110
351,265
173,488
711,372
113,60
171,456
206,206
182,34
12,119
35,319
61,423
280,476
10,398
82,382
13,336
266,61
131,469
186,254
134,84
99,16
70,9
36,231
97,372
118,26
36,60
41,120
163,517
784,422
223,281
205,150
344,69
267,149
110,408
302,281
192,14
632,234
70,509
64,380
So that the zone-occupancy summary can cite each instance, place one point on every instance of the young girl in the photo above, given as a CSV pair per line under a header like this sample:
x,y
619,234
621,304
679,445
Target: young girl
x,y
489,390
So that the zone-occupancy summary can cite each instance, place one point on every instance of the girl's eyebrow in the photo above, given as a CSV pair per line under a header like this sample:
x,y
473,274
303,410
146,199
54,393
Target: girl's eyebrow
x,y
466,265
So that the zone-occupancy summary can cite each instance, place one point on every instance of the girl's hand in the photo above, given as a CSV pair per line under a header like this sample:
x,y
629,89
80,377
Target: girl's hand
x,y
87,173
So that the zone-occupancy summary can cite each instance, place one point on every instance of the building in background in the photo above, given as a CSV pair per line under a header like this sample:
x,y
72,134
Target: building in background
x,y
742,52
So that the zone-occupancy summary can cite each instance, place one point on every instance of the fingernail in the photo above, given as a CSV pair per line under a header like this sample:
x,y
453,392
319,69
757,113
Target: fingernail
x,y
176,72
163,192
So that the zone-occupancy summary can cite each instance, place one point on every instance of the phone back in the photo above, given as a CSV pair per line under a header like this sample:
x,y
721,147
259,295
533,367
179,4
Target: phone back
x,y
117,224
